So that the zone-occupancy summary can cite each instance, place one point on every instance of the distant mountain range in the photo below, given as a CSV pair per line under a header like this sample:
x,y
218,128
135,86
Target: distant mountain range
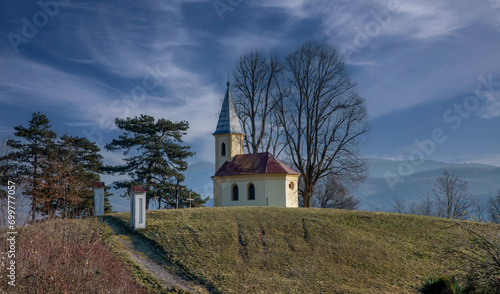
x,y
386,181
411,180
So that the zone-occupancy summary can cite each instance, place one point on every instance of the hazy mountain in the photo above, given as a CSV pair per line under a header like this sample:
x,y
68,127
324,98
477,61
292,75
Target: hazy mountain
x,y
410,181
378,167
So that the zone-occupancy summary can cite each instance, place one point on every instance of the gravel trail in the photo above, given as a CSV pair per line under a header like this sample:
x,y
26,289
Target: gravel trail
x,y
153,262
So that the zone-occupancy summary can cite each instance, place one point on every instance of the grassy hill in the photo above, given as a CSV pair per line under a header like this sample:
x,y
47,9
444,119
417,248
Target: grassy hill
x,y
269,250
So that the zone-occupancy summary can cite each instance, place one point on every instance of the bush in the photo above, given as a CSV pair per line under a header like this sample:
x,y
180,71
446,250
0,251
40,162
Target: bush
x,y
481,258
476,284
66,256
443,285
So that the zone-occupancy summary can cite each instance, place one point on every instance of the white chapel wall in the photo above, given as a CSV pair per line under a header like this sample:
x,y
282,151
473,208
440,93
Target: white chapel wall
x,y
270,190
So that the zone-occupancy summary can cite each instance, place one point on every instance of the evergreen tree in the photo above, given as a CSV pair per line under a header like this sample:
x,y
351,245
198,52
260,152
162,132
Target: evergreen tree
x,y
6,167
177,196
156,159
84,157
27,155
59,172
67,173
107,204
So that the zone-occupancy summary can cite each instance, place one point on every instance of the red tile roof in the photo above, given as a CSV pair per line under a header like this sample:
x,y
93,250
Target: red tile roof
x,y
98,185
137,189
256,163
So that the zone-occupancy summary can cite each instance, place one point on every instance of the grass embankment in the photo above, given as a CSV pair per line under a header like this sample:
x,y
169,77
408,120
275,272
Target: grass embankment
x,y
252,249
67,256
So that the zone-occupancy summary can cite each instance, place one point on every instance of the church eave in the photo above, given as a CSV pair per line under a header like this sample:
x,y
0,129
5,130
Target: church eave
x,y
227,132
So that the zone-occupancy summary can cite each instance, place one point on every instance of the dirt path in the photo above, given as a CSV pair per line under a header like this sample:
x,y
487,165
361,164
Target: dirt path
x,y
153,262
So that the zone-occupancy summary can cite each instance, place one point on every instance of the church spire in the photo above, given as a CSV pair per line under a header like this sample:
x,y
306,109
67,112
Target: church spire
x,y
229,122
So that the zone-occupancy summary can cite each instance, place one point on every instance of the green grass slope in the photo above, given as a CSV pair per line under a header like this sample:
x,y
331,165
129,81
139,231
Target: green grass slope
x,y
283,250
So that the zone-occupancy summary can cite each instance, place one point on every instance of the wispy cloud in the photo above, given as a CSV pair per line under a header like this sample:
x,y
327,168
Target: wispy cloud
x,y
31,82
410,19
123,42
298,9
491,107
116,42
87,62
246,41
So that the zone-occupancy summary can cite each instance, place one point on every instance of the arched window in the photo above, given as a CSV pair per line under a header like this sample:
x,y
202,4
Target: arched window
x,y
223,149
251,192
235,193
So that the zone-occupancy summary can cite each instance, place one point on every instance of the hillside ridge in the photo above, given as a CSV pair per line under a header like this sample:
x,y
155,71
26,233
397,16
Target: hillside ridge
x,y
297,250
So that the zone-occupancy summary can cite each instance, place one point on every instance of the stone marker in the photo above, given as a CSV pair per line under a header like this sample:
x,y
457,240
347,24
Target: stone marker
x,y
137,207
98,198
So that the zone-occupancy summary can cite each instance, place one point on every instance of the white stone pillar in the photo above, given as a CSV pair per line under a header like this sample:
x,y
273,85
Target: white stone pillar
x,y
98,198
137,207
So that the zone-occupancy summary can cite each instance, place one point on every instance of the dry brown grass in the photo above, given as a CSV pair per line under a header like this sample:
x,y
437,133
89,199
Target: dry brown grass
x,y
66,256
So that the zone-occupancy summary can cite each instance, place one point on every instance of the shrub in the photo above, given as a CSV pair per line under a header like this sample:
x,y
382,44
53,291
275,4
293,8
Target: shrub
x,y
67,256
476,284
443,285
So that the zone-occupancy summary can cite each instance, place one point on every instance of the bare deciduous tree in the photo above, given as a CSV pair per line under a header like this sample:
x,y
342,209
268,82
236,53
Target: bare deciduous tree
x,y
478,209
494,208
483,255
322,116
412,208
452,197
255,79
332,194
399,206
426,206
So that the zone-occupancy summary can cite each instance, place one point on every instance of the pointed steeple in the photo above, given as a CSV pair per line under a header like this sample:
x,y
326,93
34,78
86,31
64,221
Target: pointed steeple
x,y
229,122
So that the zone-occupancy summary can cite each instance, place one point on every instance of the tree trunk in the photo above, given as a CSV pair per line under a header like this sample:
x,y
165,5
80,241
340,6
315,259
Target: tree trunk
x,y
307,194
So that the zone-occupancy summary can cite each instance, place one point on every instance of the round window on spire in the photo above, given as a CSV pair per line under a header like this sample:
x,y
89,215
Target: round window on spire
x,y
223,149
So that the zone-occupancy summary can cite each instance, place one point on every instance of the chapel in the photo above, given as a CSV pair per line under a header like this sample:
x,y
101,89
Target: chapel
x,y
258,179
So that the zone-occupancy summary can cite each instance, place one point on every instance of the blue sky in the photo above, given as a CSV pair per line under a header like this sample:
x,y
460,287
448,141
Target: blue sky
x,y
429,70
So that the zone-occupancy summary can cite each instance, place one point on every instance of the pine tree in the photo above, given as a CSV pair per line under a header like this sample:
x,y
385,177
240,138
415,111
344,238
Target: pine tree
x,y
28,155
156,159
173,196
59,172
83,163
6,167
71,166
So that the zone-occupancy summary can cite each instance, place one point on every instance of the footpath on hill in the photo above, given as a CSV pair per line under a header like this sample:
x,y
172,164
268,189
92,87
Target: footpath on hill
x,y
153,262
